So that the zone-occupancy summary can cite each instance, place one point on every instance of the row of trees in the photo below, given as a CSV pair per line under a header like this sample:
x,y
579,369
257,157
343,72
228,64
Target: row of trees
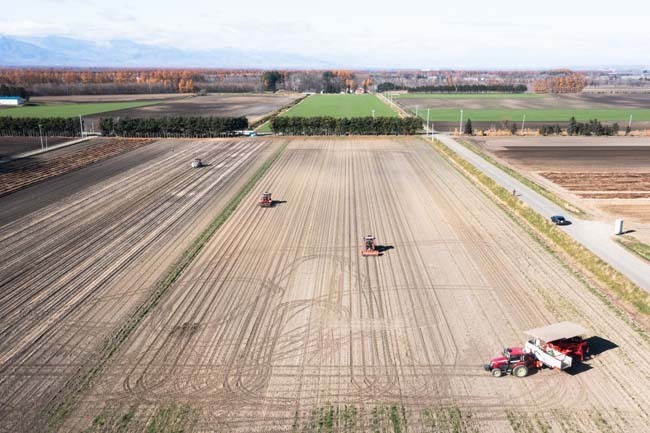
x,y
569,83
34,126
327,82
13,91
591,127
456,88
201,127
349,126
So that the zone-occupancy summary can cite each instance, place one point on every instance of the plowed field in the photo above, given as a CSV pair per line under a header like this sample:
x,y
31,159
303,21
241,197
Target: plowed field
x,y
74,271
281,325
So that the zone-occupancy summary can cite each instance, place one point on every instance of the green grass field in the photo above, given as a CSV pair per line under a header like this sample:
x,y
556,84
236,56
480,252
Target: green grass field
x,y
467,95
71,110
341,106
537,115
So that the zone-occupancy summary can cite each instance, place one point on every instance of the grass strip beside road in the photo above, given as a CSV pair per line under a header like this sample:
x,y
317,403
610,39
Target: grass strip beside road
x,y
71,110
637,247
58,414
618,284
523,179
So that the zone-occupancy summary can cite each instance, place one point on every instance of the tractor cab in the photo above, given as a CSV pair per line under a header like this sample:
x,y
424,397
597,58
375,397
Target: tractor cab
x,y
369,246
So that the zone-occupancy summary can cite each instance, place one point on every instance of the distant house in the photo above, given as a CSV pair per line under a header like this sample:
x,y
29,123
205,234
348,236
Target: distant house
x,y
12,100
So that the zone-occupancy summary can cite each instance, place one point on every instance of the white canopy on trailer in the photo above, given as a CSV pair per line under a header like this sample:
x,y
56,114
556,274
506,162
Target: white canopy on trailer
x,y
557,331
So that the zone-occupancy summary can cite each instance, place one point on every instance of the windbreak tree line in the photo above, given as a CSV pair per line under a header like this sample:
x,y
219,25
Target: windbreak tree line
x,y
29,126
194,127
346,126
591,127
462,88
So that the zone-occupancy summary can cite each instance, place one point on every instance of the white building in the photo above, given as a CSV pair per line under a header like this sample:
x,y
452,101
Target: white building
x,y
12,100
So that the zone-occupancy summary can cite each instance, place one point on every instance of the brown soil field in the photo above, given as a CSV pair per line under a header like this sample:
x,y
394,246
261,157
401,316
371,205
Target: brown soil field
x,y
15,145
20,173
613,185
252,106
607,176
74,270
280,325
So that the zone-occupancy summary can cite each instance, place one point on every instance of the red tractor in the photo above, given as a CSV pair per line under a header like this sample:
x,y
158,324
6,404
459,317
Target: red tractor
x,y
514,361
370,247
265,200
555,346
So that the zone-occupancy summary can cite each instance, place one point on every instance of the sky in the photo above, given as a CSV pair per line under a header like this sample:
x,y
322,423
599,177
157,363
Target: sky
x,y
404,34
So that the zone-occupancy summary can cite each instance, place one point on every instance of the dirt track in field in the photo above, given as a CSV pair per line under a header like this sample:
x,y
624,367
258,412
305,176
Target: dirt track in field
x,y
74,270
280,325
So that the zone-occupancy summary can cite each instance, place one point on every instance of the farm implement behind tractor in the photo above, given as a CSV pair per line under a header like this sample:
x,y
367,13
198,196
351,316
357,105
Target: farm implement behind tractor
x,y
557,346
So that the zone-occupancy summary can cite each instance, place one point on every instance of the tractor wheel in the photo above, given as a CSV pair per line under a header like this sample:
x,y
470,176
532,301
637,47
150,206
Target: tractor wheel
x,y
520,371
497,372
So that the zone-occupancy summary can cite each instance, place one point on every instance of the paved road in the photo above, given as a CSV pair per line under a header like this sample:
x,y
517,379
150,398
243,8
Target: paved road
x,y
593,235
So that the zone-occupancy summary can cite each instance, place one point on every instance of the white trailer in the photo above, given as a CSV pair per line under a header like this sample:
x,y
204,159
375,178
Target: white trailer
x,y
541,344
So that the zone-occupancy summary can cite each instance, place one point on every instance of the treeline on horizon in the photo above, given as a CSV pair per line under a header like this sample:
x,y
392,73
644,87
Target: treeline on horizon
x,y
174,126
456,88
45,81
346,126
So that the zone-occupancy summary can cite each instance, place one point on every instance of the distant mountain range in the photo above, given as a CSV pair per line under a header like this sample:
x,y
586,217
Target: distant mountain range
x,y
63,51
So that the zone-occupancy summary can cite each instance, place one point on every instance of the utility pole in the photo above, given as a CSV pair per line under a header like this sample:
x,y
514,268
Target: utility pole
x,y
629,124
373,114
40,133
523,123
460,127
81,125
416,110
428,129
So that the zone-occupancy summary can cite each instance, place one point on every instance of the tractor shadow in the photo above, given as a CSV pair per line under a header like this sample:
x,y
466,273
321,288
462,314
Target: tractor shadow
x,y
383,248
598,345
275,203
579,367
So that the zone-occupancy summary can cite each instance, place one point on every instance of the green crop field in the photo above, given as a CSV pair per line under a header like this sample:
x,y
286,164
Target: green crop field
x,y
537,115
71,110
341,106
467,95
